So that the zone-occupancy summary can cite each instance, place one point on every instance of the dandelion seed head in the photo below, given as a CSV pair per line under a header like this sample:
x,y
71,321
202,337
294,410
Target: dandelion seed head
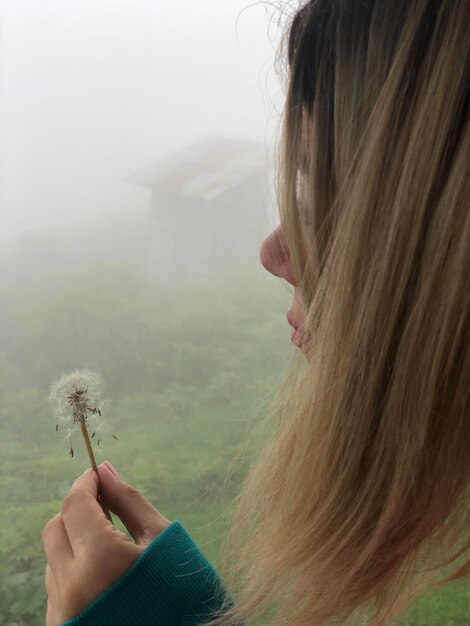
x,y
76,394
79,407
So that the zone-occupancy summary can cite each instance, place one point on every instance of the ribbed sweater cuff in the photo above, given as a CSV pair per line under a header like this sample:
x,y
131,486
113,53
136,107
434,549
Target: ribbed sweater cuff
x,y
171,583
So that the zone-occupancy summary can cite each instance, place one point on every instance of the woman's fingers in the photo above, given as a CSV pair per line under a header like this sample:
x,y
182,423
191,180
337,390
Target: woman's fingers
x,y
52,598
82,515
143,521
50,619
85,554
60,557
57,546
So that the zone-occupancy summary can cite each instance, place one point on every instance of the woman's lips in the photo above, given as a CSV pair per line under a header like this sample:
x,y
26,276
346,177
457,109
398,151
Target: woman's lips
x,y
297,337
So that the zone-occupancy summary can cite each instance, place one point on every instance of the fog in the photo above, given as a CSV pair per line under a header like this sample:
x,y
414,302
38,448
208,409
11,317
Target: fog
x,y
137,183
93,91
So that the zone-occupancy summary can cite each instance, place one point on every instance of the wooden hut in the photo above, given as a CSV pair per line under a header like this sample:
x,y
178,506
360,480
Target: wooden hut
x,y
212,205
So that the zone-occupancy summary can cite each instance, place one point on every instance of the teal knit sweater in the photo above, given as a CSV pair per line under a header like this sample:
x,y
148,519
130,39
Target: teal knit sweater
x,y
171,584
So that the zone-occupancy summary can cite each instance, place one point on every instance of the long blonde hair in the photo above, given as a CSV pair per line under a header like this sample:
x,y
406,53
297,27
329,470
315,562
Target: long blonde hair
x,y
358,501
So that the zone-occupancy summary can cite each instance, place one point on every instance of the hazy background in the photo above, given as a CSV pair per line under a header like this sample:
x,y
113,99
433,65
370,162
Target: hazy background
x,y
159,289
92,91
161,293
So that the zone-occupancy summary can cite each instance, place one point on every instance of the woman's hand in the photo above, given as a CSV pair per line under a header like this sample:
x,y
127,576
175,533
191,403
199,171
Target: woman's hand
x,y
85,554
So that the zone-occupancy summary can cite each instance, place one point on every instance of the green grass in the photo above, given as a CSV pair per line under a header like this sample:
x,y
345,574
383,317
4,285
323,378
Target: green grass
x,y
184,372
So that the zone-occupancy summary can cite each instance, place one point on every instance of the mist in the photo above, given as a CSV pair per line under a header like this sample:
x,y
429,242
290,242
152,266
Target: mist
x,y
137,183
138,171
93,91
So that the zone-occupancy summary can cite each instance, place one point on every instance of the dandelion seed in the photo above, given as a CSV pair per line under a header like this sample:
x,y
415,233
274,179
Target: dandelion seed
x,y
101,427
67,435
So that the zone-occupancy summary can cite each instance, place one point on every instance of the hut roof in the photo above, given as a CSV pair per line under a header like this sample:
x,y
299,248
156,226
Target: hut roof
x,y
205,169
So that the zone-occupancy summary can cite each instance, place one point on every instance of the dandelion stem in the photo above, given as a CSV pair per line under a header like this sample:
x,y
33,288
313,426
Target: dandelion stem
x,y
92,459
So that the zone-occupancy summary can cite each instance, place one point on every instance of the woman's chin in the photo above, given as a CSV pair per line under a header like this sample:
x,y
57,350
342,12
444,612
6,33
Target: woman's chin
x,y
300,341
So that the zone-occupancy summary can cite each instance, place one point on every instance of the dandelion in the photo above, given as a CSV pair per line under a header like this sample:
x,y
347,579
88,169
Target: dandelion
x,y
77,397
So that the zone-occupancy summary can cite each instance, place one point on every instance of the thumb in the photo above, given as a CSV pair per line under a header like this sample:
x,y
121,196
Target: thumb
x,y
143,521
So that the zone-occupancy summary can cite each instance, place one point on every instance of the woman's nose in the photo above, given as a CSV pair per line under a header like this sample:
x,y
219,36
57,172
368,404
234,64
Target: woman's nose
x,y
274,256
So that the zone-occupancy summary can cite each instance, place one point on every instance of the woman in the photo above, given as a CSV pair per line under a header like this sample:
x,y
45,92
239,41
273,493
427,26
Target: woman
x,y
359,497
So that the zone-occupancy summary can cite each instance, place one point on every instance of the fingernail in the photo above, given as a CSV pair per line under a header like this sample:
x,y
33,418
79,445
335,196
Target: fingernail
x,y
112,469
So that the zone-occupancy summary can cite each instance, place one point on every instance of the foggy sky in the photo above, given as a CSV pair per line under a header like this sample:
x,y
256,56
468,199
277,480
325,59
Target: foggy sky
x,y
91,91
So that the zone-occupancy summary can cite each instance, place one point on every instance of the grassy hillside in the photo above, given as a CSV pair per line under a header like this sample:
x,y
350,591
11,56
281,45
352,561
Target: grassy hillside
x,y
184,372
